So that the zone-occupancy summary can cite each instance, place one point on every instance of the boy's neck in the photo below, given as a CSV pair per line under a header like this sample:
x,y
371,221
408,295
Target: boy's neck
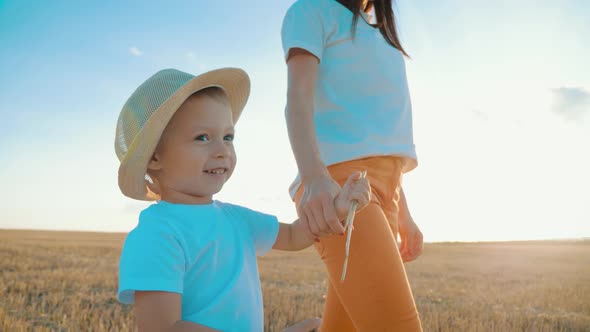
x,y
182,198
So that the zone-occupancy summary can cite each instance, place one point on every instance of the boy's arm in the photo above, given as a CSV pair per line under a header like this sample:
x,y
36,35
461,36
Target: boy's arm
x,y
293,236
161,311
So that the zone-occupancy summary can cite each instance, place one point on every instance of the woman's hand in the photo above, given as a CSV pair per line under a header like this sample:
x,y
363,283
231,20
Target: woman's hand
x,y
411,238
316,209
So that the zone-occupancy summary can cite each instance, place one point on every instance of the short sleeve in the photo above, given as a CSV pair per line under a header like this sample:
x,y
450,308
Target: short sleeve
x,y
263,229
151,260
303,28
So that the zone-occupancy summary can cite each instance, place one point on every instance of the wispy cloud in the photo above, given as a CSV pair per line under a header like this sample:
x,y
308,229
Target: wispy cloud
x,y
572,103
135,51
190,55
479,115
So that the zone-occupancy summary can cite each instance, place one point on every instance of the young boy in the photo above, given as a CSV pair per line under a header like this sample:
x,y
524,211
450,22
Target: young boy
x,y
190,263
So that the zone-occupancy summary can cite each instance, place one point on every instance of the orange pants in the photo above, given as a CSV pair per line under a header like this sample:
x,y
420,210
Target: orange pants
x,y
376,295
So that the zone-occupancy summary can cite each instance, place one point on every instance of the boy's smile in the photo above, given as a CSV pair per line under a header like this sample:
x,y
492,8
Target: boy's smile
x,y
195,156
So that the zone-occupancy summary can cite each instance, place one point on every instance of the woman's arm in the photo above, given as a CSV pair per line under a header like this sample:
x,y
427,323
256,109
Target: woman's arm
x,y
316,209
161,311
302,74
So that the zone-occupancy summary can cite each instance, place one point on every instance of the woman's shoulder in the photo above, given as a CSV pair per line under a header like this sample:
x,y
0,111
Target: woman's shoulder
x,y
323,7
329,13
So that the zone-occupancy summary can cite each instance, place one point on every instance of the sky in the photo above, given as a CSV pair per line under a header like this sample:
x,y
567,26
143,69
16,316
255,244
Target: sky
x,y
500,93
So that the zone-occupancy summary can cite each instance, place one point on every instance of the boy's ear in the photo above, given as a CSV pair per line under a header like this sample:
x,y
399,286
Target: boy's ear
x,y
155,164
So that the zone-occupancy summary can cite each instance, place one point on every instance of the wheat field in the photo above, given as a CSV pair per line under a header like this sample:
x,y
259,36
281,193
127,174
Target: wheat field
x,y
66,281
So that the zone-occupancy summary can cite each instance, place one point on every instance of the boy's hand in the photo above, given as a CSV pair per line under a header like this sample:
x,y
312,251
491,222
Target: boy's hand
x,y
355,189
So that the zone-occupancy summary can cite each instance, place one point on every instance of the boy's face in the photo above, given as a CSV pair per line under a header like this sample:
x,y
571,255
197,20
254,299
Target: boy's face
x,y
195,156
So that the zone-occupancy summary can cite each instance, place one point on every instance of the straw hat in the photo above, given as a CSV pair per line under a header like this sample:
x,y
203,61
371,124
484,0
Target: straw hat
x,y
149,109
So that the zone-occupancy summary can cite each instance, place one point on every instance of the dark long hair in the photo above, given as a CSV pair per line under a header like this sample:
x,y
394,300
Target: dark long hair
x,y
385,19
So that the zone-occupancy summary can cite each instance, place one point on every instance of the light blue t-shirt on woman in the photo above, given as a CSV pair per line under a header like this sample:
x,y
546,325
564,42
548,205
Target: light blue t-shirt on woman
x,y
206,253
362,104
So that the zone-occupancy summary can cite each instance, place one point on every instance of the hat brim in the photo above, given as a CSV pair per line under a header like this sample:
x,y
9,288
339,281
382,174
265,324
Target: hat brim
x,y
133,168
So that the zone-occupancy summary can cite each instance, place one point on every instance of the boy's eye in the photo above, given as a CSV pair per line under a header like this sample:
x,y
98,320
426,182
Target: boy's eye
x,y
229,137
202,137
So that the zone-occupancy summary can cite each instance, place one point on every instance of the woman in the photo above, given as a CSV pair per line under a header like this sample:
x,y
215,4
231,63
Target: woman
x,y
348,108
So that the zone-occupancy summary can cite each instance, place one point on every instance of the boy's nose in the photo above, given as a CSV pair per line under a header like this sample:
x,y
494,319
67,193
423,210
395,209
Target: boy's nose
x,y
222,150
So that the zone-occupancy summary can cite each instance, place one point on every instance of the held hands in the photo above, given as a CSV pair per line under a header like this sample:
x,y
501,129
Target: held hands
x,y
316,210
324,204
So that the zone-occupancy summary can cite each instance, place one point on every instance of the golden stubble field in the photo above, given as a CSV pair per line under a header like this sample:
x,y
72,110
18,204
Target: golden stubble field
x,y
66,281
